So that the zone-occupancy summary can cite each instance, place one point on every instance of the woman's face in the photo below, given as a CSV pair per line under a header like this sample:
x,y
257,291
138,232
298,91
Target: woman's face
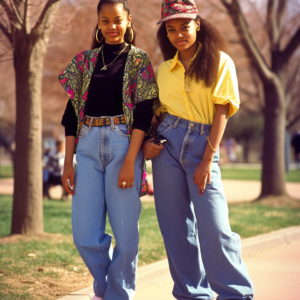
x,y
113,21
182,33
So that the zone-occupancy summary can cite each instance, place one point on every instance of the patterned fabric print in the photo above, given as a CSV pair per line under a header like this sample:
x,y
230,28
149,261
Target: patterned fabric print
x,y
138,85
76,81
175,7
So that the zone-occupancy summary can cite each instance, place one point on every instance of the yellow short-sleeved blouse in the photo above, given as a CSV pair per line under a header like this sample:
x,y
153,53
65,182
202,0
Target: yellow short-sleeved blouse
x,y
197,105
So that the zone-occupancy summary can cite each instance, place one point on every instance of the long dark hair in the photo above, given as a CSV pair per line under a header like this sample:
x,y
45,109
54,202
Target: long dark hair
x,y
127,36
206,64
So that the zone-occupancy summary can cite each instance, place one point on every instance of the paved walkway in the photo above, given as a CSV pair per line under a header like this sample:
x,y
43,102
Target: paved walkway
x,y
275,274
243,190
235,190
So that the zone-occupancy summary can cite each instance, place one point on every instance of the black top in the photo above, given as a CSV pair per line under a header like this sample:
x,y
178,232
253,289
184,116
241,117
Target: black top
x,y
105,93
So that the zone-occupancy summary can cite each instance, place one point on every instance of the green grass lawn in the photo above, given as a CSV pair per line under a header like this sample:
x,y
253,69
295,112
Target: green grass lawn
x,y
57,252
6,172
254,174
235,173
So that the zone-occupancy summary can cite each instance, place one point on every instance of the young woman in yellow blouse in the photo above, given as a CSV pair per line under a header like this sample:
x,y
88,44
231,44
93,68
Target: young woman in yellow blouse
x,y
198,91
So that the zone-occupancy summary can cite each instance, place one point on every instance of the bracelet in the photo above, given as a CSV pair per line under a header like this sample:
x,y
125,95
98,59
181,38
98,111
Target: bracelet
x,y
214,150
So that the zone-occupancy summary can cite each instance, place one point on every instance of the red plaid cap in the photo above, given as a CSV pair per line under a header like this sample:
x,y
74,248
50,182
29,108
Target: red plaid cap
x,y
177,9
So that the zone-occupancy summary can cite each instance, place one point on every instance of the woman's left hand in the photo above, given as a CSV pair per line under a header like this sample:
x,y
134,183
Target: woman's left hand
x,y
202,175
126,175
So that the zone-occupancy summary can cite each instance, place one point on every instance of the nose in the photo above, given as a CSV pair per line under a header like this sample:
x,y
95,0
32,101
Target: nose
x,y
179,35
113,26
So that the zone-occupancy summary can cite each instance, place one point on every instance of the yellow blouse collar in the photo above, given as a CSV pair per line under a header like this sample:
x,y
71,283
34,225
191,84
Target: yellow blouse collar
x,y
176,59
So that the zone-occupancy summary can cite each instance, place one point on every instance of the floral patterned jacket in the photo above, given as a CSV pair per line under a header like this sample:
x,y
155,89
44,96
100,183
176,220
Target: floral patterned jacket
x,y
138,85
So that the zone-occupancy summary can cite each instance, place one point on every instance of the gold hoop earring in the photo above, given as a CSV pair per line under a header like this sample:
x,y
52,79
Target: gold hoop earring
x,y
198,28
97,36
131,35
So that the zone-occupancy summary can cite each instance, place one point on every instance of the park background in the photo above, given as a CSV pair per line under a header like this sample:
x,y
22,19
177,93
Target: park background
x,y
37,255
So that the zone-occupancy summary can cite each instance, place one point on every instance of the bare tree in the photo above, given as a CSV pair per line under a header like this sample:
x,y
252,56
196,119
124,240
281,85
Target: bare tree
x,y
26,26
272,68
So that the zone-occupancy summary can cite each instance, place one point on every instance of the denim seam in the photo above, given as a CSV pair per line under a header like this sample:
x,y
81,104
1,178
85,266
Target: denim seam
x,y
184,147
166,130
85,131
101,149
120,132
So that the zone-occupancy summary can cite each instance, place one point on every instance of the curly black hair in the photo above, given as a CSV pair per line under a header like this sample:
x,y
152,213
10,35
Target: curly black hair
x,y
206,64
95,43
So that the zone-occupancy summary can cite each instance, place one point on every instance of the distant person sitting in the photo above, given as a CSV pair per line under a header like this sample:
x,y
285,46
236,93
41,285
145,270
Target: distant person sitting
x,y
55,166
296,145
230,149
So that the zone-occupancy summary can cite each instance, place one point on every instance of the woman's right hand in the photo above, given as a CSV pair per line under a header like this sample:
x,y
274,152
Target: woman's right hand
x,y
68,174
151,150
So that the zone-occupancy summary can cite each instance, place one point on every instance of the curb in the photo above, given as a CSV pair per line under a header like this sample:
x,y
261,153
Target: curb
x,y
153,273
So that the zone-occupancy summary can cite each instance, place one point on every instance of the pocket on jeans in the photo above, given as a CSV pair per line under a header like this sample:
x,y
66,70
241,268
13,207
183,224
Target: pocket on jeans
x,y
163,128
122,130
83,131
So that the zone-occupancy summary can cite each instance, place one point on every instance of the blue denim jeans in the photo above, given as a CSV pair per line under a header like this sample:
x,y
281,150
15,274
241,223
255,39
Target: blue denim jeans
x,y
100,154
204,254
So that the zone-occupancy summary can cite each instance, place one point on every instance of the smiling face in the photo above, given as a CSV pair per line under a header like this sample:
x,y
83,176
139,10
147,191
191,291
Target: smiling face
x,y
113,21
182,33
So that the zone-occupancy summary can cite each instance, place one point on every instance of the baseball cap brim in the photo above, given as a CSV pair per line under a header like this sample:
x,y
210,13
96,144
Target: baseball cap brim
x,y
178,16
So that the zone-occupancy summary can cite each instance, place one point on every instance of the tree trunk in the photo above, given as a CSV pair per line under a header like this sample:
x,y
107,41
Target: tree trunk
x,y
273,175
28,201
246,151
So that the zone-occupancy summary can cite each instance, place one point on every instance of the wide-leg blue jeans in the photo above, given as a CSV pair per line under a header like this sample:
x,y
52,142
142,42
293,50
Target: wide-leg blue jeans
x,y
204,254
100,154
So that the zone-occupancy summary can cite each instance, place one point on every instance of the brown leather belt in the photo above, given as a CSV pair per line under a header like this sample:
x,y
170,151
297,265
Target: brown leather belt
x,y
97,122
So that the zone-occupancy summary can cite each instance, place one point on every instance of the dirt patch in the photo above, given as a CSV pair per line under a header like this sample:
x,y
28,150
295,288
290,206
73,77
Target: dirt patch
x,y
282,201
16,238
45,288
45,282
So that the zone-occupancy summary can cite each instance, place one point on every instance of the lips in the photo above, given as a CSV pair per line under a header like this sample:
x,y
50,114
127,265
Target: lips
x,y
112,33
181,42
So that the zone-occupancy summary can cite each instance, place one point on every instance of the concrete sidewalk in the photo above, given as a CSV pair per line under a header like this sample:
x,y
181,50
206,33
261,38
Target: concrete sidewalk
x,y
242,190
275,274
272,259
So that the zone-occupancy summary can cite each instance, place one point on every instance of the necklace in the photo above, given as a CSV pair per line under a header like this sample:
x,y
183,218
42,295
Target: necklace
x,y
104,65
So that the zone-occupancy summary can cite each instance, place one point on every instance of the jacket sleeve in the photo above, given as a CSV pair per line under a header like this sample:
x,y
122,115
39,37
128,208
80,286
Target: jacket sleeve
x,y
146,86
147,89
72,80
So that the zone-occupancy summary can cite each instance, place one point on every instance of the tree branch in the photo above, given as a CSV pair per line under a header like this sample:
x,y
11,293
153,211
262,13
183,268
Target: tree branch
x,y
216,7
253,7
272,24
291,47
254,53
6,33
17,14
248,93
10,15
44,20
280,11
250,110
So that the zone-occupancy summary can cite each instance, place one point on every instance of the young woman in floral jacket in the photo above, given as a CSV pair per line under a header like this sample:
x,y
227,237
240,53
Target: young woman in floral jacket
x,y
113,94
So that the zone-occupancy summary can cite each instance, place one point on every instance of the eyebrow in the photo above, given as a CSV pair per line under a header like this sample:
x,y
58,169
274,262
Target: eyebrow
x,y
115,17
185,23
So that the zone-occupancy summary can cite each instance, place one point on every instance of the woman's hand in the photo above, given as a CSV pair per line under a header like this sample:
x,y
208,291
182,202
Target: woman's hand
x,y
202,175
68,174
126,175
151,150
